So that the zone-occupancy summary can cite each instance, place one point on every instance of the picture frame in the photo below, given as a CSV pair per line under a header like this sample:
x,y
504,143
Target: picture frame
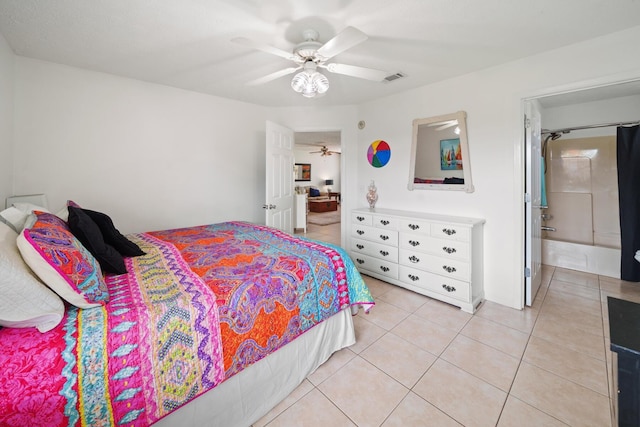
x,y
302,171
450,154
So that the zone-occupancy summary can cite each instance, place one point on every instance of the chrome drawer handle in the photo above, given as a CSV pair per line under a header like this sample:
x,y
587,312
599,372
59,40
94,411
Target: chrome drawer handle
x,y
448,269
360,232
414,259
414,227
383,237
449,288
383,268
359,261
448,231
449,250
384,253
360,218
359,246
413,277
384,222
414,243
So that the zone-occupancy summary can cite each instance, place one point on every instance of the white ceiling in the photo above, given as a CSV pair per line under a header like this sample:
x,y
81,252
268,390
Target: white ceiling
x,y
186,44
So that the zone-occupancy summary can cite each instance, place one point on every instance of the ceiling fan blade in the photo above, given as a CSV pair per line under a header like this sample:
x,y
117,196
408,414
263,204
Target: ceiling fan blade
x,y
272,76
447,125
446,122
344,40
354,71
264,48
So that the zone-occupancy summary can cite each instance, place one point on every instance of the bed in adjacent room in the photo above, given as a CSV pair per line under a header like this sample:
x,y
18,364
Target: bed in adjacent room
x,y
208,325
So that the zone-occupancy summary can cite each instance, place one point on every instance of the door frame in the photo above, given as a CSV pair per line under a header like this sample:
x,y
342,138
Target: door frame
x,y
343,176
519,169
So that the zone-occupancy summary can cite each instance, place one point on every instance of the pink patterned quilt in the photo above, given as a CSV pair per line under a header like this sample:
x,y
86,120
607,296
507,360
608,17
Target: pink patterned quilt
x,y
161,340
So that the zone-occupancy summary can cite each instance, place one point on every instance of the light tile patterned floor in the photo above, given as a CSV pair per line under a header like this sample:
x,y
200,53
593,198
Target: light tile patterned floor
x,y
420,362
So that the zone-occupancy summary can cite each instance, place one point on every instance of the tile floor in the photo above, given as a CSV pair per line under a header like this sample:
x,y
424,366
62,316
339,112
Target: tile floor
x,y
420,362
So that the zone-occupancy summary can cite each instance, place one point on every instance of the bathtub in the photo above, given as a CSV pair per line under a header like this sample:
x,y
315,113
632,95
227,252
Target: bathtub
x,y
575,256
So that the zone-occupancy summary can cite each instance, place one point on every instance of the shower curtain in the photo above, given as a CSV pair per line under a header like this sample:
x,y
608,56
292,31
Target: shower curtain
x,y
628,154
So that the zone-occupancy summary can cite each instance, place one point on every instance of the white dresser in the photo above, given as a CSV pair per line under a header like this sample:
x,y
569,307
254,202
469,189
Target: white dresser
x,y
436,255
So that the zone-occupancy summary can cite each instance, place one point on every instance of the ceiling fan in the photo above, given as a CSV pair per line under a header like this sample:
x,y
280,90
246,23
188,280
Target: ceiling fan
x,y
324,151
310,55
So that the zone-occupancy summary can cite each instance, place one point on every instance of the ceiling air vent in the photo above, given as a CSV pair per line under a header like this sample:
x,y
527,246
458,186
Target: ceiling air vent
x,y
393,77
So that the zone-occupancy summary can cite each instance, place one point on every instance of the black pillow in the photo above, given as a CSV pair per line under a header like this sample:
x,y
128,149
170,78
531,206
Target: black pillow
x,y
112,236
89,234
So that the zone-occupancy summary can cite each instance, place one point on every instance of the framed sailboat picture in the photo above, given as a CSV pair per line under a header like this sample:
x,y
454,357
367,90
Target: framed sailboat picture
x,y
450,154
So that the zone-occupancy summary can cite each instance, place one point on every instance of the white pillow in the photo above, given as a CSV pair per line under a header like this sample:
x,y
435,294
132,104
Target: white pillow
x,y
24,301
16,214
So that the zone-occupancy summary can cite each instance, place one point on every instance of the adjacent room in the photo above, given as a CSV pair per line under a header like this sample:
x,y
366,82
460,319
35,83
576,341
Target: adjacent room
x,y
359,213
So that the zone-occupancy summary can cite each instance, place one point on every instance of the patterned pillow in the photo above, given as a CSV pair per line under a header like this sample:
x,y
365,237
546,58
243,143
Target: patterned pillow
x,y
24,300
61,262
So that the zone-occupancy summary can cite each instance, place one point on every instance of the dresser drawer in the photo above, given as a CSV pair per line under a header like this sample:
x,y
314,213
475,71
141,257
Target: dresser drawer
x,y
377,250
386,222
373,234
439,247
453,288
361,218
415,226
375,265
438,265
450,232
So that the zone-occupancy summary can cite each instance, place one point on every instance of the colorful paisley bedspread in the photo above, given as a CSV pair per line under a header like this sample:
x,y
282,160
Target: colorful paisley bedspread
x,y
270,286
204,303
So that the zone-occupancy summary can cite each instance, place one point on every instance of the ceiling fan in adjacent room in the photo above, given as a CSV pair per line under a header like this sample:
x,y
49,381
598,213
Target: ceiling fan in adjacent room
x,y
310,55
324,151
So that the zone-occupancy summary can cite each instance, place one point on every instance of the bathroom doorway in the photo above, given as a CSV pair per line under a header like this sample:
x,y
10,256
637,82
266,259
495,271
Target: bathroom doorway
x,y
580,230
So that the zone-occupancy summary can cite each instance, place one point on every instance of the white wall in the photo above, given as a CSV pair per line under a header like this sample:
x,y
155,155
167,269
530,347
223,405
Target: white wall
x,y
622,109
151,156
6,120
492,100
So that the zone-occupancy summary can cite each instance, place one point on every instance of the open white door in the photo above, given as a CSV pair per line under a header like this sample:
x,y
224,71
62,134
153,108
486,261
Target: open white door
x,y
533,198
279,177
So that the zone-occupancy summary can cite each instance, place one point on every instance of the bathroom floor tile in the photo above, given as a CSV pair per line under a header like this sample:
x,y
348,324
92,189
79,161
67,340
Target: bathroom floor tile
x,y
587,280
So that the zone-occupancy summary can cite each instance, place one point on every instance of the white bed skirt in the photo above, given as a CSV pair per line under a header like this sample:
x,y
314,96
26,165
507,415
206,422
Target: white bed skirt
x,y
249,395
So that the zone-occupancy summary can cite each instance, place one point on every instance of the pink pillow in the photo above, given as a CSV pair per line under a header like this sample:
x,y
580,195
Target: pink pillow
x,y
61,262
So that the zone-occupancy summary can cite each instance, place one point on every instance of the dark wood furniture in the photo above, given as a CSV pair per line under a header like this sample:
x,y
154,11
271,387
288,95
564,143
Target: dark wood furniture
x,y
323,205
624,328
335,194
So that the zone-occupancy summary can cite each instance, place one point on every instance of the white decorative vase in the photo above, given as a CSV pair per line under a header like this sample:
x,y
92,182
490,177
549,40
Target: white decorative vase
x,y
372,195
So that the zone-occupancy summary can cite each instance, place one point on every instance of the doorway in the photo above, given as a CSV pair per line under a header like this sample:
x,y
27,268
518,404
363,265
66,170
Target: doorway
x,y
322,151
608,103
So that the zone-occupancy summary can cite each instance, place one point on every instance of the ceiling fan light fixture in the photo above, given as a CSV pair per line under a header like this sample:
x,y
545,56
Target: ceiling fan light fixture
x,y
309,82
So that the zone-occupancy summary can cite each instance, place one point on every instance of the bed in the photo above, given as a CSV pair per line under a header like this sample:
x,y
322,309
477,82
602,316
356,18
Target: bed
x,y
212,325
